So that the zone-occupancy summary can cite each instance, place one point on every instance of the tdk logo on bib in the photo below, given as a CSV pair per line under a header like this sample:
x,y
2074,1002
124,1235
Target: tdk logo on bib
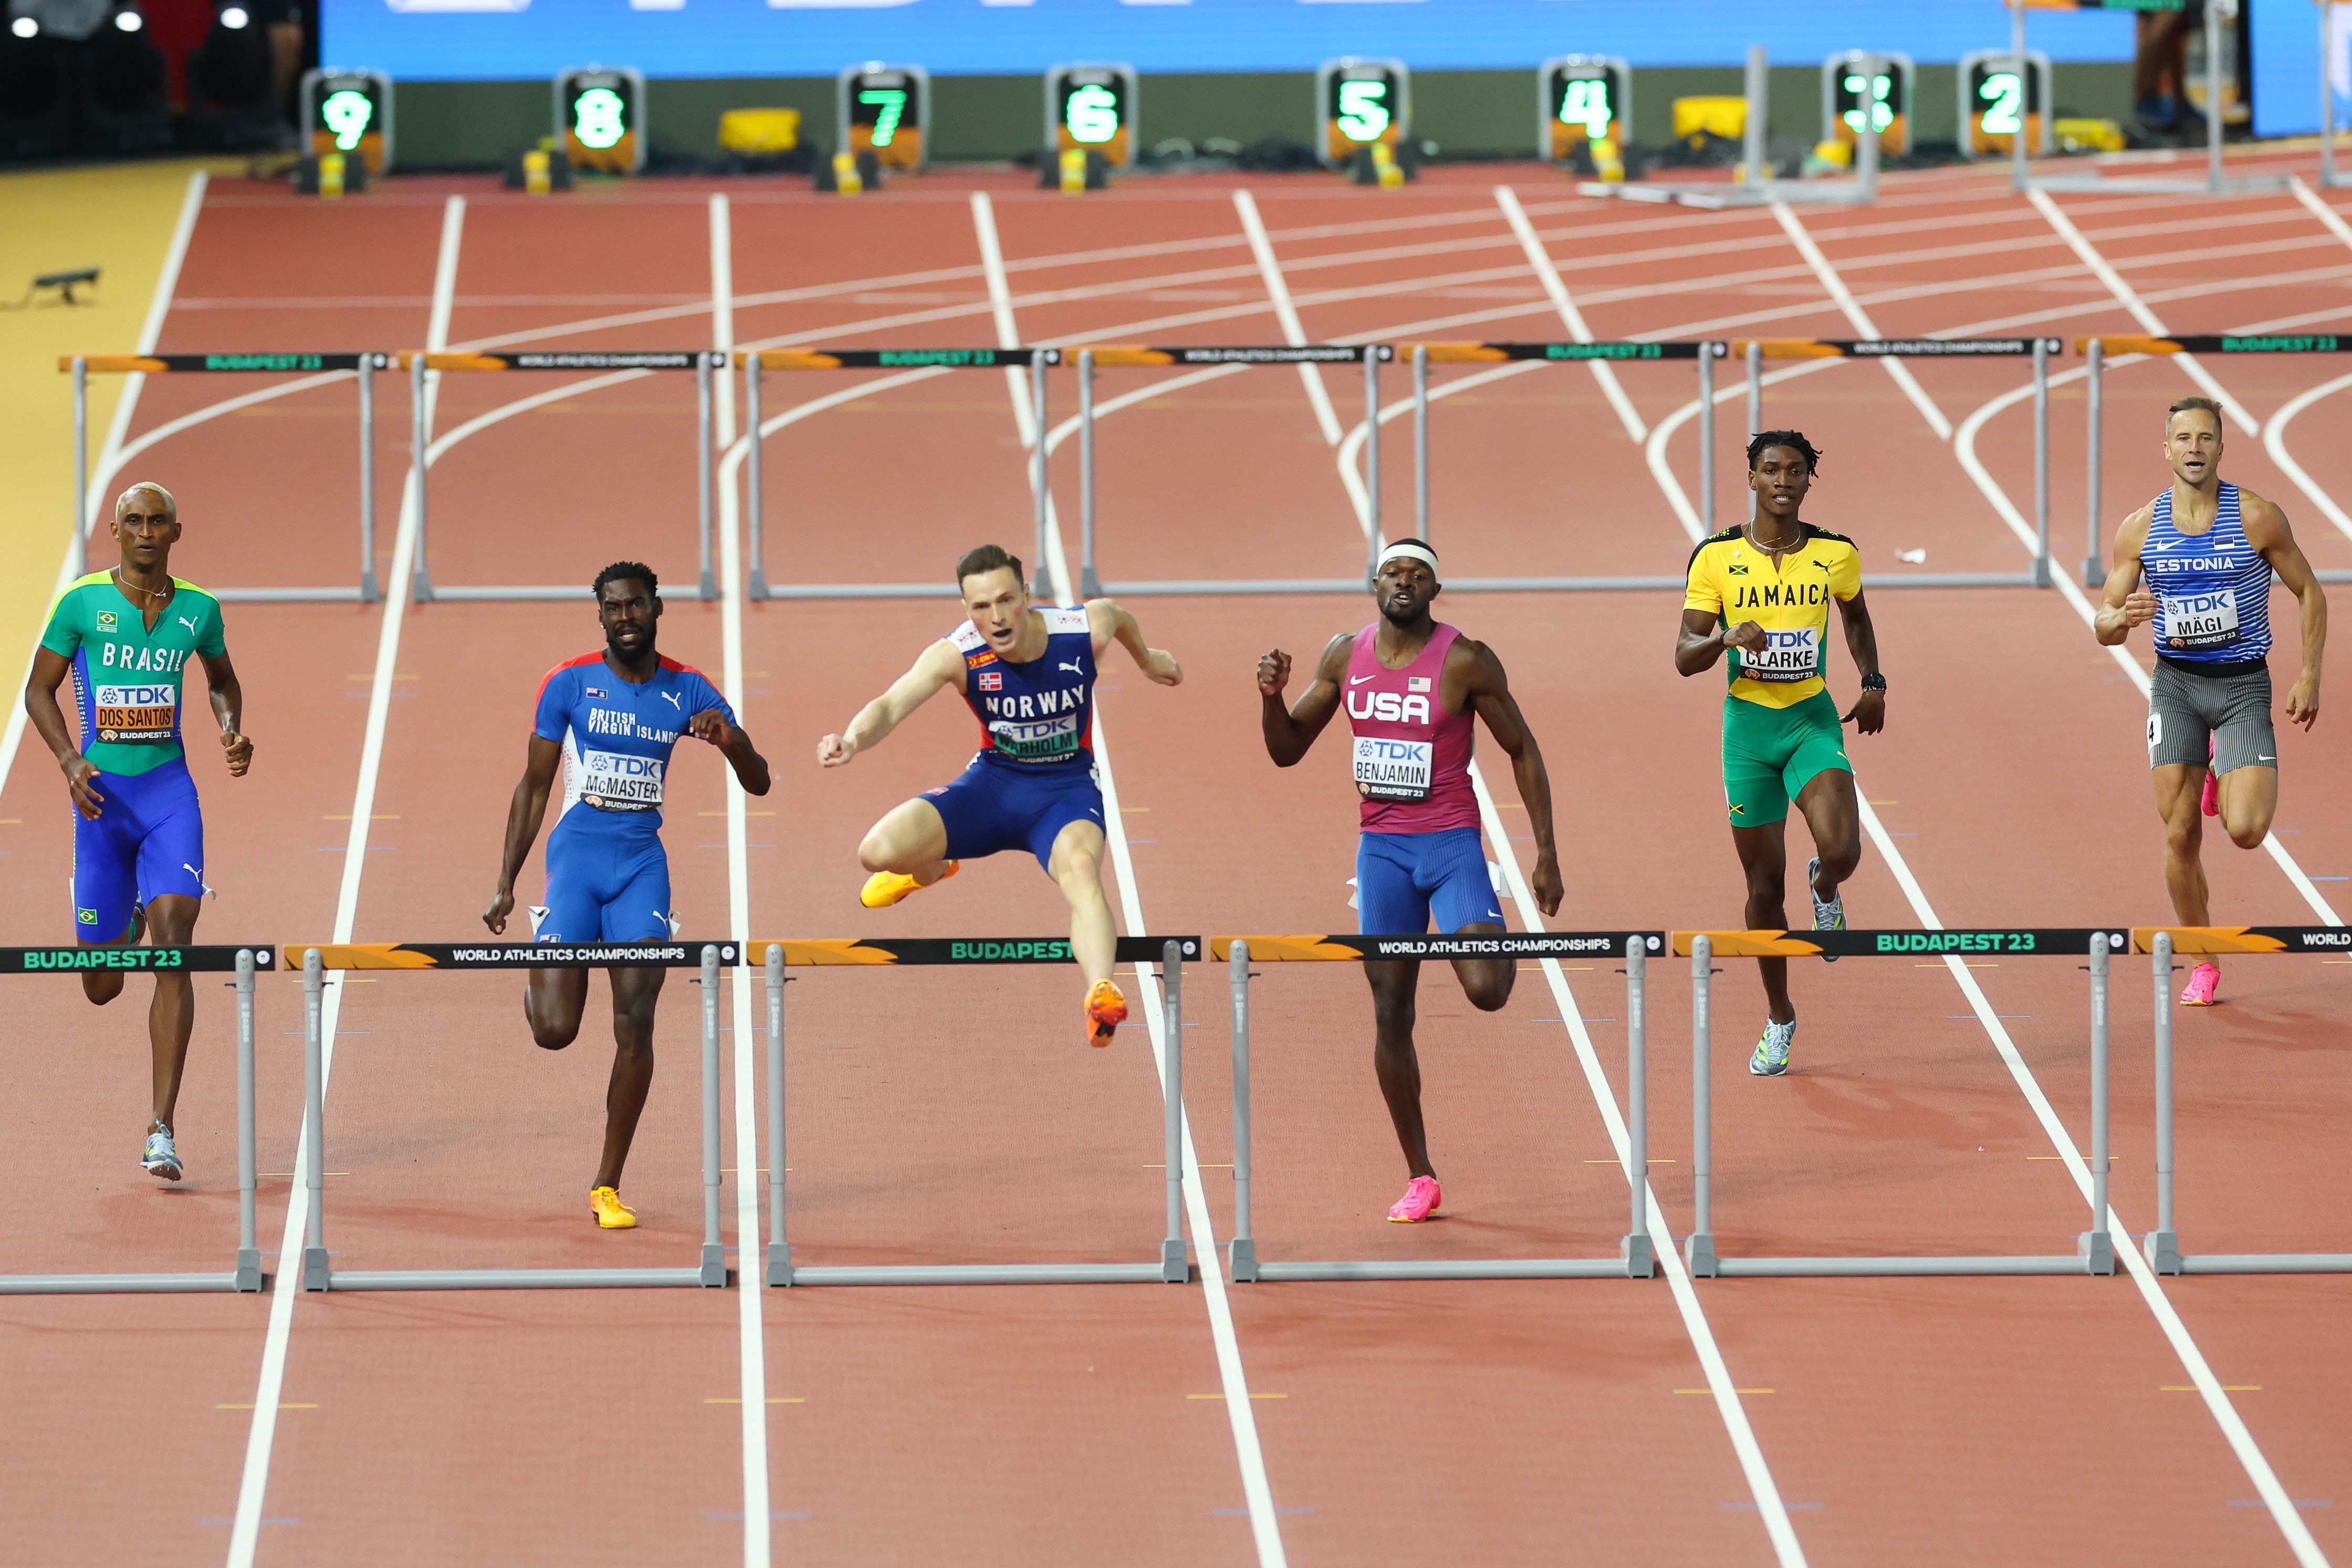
x,y
1388,707
2201,620
1787,656
619,782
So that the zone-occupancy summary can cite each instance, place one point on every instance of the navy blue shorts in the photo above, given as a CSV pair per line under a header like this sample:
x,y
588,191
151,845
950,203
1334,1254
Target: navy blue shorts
x,y
148,841
1402,877
995,806
607,880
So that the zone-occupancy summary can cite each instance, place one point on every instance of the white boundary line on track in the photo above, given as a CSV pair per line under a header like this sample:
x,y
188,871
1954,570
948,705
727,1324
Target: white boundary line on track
x,y
1257,1492
1539,259
2319,209
286,1286
751,1277
1270,270
1852,307
109,455
2274,443
2139,311
2184,1345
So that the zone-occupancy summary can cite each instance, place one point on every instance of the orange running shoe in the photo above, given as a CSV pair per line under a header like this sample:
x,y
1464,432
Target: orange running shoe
x,y
610,1213
887,888
1105,1011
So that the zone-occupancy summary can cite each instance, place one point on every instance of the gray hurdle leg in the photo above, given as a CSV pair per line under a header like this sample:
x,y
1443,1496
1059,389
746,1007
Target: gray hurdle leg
x,y
714,1251
780,1253
2097,1246
2163,1245
1641,1260
1698,1247
249,1251
314,1094
1243,1250
1173,1265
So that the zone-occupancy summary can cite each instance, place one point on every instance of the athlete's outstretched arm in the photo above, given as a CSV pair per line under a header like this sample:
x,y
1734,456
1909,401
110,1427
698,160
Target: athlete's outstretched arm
x,y
50,669
1111,621
524,813
1290,730
940,668
2125,602
2267,531
228,711
1490,696
735,745
1869,710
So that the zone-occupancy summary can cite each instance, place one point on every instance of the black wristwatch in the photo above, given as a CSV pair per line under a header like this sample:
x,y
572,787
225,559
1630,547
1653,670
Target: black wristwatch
x,y
1873,683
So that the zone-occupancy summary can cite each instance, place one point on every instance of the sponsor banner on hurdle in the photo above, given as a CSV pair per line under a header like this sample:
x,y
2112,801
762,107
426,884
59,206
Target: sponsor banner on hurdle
x,y
1135,354
895,359
154,960
1899,348
570,358
2245,939
1498,354
504,954
2225,343
1895,943
1350,949
823,951
277,363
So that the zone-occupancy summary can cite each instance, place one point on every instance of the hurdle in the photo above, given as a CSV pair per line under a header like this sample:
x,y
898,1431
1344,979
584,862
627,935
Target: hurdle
x,y
242,962
2095,352
702,361
2094,1248
1089,357
317,958
1172,953
360,367
2215,183
1755,187
757,363
2039,350
2162,1245
1636,1260
1423,355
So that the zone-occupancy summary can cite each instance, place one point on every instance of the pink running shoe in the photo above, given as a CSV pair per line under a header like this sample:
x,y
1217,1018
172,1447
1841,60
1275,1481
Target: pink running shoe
x,y
2209,800
1421,1199
2203,981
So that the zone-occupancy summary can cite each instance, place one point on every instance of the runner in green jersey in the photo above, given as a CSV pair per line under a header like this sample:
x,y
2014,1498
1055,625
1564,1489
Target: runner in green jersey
x,y
125,636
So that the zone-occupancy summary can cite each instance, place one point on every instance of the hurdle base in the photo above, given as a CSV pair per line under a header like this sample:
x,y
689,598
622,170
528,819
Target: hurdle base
x,y
2162,1250
2264,1263
1449,1268
1640,1259
248,1268
315,1269
1175,1264
518,594
116,1284
1869,1267
1242,1257
854,591
295,595
713,1272
505,1278
2158,185
2096,1248
1212,586
1699,1255
967,1274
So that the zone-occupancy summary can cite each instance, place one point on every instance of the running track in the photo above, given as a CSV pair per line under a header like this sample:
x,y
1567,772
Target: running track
x,y
1825,1421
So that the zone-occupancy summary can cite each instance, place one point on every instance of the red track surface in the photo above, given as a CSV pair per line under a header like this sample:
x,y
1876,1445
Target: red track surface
x,y
938,1117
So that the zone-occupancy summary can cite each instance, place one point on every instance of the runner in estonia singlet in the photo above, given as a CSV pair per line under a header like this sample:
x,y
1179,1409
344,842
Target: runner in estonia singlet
x,y
1411,756
2212,589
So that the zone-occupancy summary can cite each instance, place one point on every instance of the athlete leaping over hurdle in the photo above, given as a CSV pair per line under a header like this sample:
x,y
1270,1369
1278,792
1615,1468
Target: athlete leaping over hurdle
x,y
1028,675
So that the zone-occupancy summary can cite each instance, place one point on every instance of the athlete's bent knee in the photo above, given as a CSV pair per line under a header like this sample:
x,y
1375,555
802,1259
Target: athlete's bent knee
x,y
1488,995
2249,834
553,1036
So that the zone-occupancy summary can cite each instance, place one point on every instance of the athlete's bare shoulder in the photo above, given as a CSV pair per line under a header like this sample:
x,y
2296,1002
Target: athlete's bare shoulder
x,y
942,661
1333,666
1474,666
2133,532
2259,514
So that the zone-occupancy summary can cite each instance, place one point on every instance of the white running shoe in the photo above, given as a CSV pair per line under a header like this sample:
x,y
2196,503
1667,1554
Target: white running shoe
x,y
1829,914
1771,1058
162,1160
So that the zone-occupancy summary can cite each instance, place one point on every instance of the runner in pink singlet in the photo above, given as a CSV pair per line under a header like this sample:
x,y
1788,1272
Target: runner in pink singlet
x,y
1411,685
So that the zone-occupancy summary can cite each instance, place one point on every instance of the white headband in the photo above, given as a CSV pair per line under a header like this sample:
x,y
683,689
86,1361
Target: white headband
x,y
1420,552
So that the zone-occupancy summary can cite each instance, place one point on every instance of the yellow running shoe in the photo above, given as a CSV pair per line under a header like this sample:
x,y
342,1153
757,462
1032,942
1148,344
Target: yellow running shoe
x,y
610,1213
1105,1011
887,888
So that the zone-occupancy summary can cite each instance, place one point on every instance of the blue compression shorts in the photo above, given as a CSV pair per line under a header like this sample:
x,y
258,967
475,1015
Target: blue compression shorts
x,y
607,880
994,806
1402,877
148,841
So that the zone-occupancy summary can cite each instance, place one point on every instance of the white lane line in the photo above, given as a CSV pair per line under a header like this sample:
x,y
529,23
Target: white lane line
x,y
1853,312
750,1277
1257,1492
2146,318
1286,313
110,452
2319,209
2274,443
1770,1506
245,1531
1556,288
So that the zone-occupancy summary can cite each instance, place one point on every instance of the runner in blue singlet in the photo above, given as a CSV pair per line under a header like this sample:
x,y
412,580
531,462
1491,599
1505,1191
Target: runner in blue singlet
x,y
2198,562
610,720
1028,674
